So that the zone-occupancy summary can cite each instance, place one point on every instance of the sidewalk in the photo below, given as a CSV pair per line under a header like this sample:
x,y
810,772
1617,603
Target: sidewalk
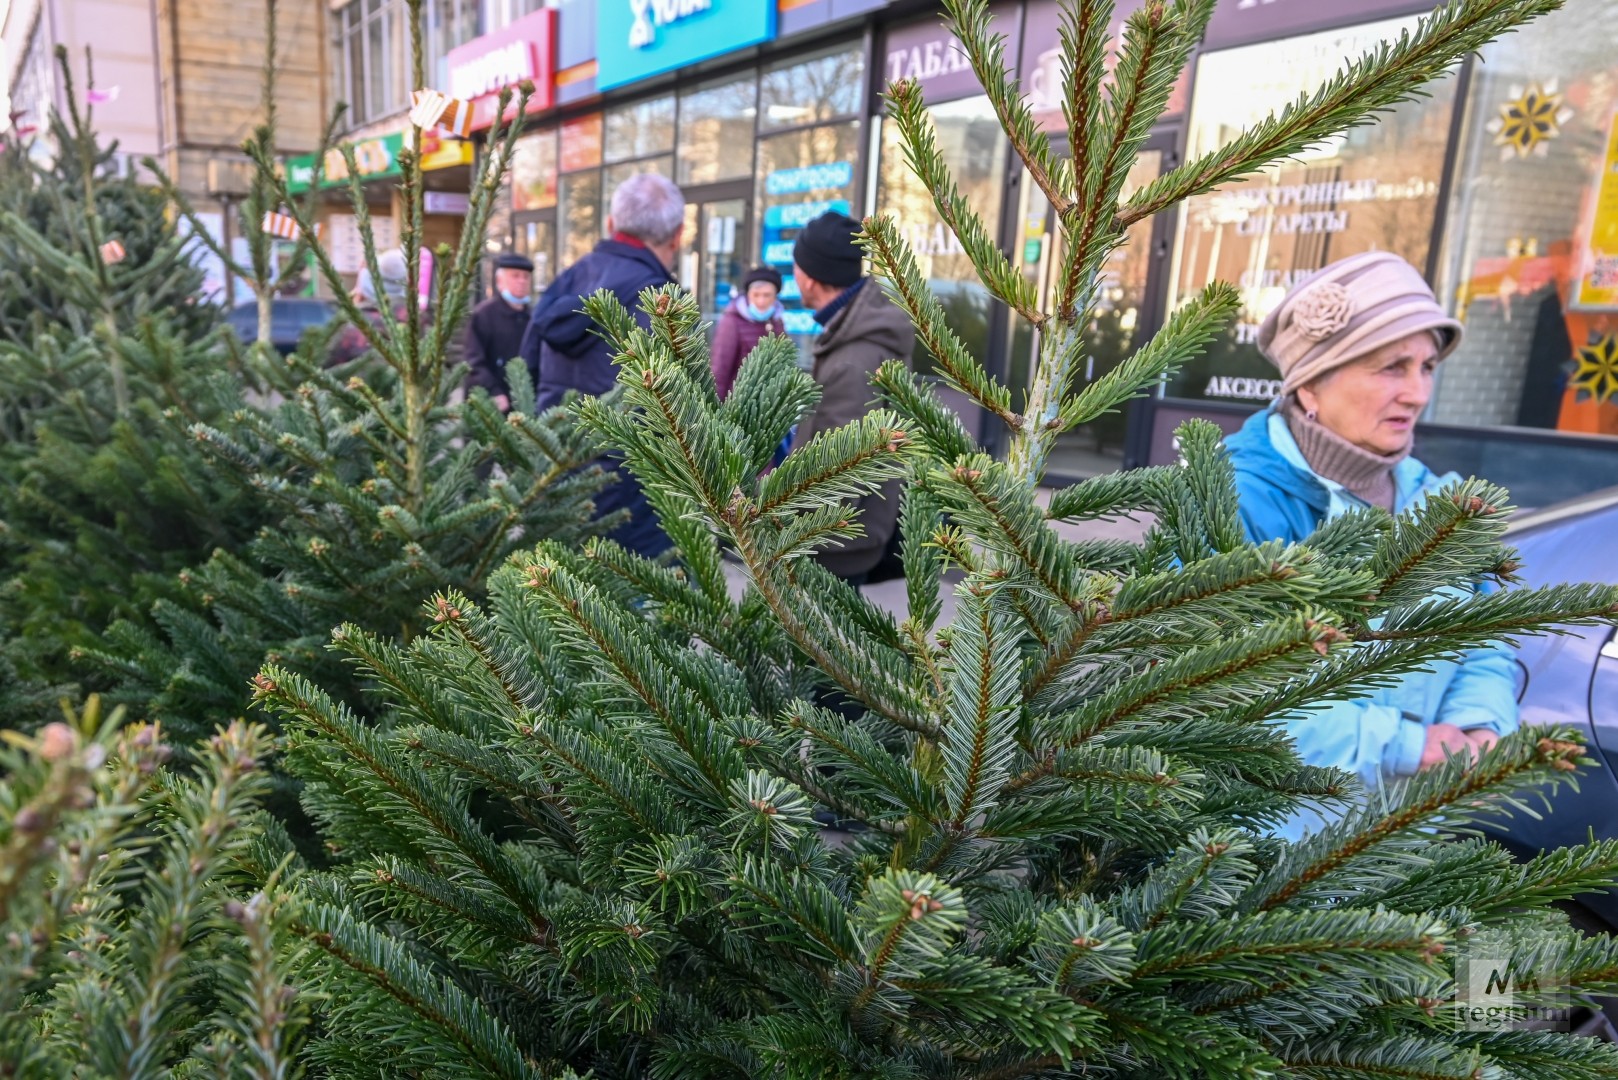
x,y
890,595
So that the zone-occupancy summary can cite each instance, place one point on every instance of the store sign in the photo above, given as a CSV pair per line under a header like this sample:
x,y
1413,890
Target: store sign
x,y
636,39
928,53
1040,70
374,159
1243,22
523,51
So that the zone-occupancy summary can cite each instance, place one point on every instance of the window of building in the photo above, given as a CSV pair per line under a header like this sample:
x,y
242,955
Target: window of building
x,y
716,131
374,72
533,171
801,175
639,129
578,191
1532,253
1374,188
824,87
974,147
579,210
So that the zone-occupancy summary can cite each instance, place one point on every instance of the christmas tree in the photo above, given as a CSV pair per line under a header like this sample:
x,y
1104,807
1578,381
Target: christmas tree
x,y
581,832
107,358
377,483
122,949
177,510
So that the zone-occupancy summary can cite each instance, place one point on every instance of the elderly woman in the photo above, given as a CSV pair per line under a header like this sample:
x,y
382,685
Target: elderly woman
x,y
1358,344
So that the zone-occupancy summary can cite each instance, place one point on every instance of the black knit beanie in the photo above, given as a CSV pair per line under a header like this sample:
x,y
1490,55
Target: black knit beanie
x,y
825,250
762,273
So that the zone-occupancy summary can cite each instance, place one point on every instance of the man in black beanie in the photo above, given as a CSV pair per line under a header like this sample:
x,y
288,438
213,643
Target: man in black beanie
x,y
861,329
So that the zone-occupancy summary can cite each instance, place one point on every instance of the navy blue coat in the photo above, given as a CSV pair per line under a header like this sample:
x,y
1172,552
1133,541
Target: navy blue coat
x,y
564,351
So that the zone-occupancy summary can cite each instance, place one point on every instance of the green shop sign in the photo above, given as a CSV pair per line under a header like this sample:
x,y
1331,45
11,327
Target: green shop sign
x,y
373,158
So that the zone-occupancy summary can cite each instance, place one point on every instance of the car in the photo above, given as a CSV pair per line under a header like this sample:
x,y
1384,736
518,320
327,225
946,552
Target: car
x,y
1572,678
290,316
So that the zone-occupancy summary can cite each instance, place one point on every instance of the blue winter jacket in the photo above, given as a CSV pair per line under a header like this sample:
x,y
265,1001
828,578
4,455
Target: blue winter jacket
x,y
1380,736
564,351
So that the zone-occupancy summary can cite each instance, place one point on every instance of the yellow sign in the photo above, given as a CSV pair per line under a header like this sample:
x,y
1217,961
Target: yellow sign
x,y
437,153
1596,288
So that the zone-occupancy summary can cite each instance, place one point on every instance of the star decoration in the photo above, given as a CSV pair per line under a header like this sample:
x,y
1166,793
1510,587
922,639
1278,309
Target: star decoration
x,y
1595,369
1529,121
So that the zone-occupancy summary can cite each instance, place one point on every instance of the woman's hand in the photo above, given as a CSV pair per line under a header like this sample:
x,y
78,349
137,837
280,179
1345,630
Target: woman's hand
x,y
1444,740
1482,738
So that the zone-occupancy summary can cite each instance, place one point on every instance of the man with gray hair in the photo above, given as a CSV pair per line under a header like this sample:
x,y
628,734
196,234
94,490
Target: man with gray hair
x,y
563,346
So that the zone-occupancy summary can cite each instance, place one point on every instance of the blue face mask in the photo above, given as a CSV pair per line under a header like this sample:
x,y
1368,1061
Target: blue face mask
x,y
760,316
512,298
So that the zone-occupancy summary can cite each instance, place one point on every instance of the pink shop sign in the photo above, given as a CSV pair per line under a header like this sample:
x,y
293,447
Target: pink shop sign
x,y
525,50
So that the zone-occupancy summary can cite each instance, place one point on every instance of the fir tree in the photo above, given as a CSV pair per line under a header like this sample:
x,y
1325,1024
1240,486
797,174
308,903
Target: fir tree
x,y
581,833
378,484
122,951
177,510
105,364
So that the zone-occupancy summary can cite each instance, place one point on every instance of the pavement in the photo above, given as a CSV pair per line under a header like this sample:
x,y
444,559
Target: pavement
x,y
891,596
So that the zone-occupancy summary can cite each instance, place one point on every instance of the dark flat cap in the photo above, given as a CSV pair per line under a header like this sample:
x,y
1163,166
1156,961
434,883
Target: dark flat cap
x,y
510,260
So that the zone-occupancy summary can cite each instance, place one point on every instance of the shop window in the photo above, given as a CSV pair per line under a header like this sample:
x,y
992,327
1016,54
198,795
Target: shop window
x,y
812,91
716,122
1374,188
580,143
578,208
974,148
617,174
640,129
533,172
1532,253
801,175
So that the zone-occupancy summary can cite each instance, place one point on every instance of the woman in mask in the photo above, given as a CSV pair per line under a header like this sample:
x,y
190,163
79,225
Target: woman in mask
x,y
755,313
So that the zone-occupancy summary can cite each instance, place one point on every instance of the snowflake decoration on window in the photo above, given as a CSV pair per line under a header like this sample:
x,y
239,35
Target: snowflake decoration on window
x,y
1529,121
1595,369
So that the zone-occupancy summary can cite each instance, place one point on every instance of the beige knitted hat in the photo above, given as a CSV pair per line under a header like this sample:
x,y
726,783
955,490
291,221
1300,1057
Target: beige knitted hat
x,y
1351,308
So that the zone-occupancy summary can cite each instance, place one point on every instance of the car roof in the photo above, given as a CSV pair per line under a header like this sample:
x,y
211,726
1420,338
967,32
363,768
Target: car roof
x,y
1596,502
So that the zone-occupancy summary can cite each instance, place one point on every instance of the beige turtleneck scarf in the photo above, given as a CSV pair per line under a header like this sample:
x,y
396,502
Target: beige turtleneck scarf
x,y
1369,476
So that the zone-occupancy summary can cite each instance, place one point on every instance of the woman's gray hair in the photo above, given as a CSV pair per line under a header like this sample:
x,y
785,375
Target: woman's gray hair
x,y
649,207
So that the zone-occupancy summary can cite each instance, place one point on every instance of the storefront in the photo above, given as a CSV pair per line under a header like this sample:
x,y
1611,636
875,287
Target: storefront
x,y
447,166
1499,184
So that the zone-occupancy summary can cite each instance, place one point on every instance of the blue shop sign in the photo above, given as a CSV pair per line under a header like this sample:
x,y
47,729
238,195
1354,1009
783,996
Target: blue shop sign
x,y
639,38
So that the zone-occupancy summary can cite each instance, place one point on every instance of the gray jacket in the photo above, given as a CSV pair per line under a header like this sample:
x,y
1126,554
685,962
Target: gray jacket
x,y
859,339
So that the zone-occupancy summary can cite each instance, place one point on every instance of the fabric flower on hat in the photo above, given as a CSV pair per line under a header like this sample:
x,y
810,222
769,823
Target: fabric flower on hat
x,y
1322,311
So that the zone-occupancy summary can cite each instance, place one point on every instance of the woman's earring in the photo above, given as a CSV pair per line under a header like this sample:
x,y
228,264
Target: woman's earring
x,y
1311,415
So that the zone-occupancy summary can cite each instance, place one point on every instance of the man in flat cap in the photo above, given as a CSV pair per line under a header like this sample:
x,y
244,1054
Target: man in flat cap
x,y
494,333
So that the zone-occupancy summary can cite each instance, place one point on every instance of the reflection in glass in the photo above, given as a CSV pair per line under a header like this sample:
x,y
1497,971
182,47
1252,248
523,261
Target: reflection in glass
x,y
535,238
716,131
801,175
1375,188
617,174
1533,235
533,171
640,129
974,147
579,212
1112,335
809,91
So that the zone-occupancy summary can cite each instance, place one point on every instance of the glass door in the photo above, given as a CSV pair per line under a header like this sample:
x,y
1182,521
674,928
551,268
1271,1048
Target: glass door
x,y
1126,315
534,235
712,258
